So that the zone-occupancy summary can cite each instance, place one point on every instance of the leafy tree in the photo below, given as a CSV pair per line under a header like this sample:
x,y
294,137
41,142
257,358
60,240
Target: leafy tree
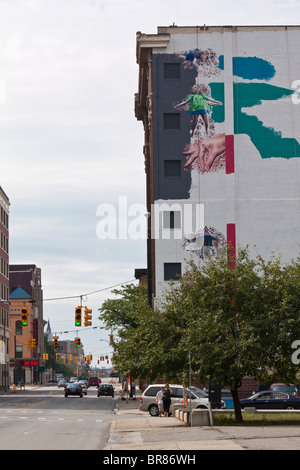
x,y
236,317
241,317
122,316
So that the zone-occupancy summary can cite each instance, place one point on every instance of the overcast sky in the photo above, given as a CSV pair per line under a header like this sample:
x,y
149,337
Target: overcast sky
x,y
70,142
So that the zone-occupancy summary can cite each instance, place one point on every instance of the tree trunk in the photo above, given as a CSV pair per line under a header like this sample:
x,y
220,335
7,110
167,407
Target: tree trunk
x,y
236,403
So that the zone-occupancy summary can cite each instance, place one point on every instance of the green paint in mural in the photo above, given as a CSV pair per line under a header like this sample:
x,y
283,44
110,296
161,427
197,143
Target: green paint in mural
x,y
218,112
268,142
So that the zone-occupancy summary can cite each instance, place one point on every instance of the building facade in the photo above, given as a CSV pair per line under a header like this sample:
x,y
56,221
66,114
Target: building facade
x,y
221,117
26,341
72,355
4,289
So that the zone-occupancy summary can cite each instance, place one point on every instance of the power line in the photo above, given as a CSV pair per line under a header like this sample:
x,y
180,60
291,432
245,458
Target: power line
x,y
79,329
90,293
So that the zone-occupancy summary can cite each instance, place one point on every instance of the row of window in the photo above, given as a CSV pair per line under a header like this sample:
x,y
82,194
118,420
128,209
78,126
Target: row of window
x,y
172,168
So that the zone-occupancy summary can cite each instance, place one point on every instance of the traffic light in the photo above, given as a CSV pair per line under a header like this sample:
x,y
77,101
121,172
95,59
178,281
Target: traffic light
x,y
89,358
77,343
24,316
87,316
45,356
55,342
33,343
29,343
78,316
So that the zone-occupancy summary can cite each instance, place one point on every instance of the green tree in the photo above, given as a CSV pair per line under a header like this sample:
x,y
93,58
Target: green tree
x,y
236,317
122,316
241,317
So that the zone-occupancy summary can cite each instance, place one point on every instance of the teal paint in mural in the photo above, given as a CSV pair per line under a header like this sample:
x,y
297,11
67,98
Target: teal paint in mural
x,y
251,68
268,142
217,92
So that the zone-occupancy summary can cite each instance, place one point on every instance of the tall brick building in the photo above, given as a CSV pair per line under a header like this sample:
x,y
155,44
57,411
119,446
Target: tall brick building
x,y
26,291
4,290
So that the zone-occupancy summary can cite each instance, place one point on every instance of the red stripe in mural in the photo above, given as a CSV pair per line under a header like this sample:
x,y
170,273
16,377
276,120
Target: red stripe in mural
x,y
231,243
229,152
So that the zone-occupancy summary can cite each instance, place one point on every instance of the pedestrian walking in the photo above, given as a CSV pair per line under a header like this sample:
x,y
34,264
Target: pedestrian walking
x,y
159,401
133,393
167,399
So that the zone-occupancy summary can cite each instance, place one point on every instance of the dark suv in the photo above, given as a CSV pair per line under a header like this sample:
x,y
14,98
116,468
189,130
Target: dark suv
x,y
94,381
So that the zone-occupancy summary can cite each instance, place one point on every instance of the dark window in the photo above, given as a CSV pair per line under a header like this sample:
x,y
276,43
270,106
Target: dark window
x,y
172,71
19,351
171,121
172,271
177,392
171,219
172,168
19,329
152,391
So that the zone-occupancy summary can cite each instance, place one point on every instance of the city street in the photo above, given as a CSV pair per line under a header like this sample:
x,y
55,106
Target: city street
x,y
43,419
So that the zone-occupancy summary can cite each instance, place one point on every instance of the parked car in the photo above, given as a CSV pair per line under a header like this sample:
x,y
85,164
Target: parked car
x,y
62,383
199,399
288,388
83,386
272,400
73,389
105,390
94,381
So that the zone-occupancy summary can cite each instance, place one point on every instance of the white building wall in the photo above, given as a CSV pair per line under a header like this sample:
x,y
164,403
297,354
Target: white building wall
x,y
262,196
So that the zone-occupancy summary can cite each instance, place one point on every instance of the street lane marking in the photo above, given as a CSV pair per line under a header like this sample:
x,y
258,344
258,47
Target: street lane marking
x,y
36,404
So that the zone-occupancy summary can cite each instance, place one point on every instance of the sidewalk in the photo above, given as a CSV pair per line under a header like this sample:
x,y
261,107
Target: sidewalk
x,y
136,430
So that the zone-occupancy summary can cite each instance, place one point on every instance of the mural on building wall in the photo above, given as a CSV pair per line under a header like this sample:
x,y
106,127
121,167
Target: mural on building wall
x,y
203,243
206,150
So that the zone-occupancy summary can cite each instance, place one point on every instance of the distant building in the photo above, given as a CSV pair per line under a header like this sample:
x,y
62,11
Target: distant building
x,y
48,333
4,291
26,342
141,275
72,355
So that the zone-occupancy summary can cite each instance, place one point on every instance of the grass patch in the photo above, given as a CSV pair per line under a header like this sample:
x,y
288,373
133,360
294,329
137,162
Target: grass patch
x,y
257,419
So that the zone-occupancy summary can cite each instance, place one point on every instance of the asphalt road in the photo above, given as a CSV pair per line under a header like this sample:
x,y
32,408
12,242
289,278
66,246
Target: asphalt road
x,y
43,419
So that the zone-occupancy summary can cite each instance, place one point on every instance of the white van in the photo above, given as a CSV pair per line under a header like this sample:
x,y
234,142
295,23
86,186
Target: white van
x,y
199,399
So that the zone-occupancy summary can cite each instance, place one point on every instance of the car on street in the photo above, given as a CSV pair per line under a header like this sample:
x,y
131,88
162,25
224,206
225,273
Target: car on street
x,y
73,379
105,390
62,383
85,381
94,381
83,386
197,397
73,389
271,400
